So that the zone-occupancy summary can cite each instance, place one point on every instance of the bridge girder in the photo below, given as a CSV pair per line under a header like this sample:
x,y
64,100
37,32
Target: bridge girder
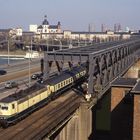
x,y
104,63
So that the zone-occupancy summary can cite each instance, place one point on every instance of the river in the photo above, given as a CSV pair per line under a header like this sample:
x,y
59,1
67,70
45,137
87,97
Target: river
x,y
4,60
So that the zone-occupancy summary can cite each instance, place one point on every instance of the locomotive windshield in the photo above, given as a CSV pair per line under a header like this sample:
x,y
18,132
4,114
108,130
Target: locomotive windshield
x,y
4,107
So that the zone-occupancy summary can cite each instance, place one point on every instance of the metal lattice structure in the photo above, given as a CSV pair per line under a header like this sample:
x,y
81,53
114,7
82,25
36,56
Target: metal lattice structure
x,y
104,61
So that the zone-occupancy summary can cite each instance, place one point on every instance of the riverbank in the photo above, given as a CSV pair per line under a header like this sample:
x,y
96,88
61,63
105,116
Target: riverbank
x,y
21,54
6,55
13,53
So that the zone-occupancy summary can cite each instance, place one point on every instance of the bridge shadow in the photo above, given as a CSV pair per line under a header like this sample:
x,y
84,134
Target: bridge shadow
x,y
122,120
101,119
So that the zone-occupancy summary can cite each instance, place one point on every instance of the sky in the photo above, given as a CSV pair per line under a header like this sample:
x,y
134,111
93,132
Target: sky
x,y
75,15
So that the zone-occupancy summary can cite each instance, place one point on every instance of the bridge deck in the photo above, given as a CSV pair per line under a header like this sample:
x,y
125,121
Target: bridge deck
x,y
124,82
136,88
133,83
88,49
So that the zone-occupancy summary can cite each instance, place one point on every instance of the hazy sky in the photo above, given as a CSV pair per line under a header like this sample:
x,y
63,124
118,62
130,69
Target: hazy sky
x,y
73,14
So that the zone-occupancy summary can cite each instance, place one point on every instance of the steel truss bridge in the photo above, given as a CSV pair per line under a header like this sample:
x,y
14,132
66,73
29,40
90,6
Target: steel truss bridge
x,y
105,62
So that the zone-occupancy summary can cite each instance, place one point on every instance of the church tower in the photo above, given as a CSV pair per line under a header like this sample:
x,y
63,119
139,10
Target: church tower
x,y
45,25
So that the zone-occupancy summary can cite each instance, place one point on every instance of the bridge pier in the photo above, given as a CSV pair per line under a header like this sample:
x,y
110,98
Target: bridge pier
x,y
85,121
90,120
136,118
121,114
79,126
70,131
117,95
102,127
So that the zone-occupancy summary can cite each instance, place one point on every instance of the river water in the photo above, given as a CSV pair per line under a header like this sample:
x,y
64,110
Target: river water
x,y
4,60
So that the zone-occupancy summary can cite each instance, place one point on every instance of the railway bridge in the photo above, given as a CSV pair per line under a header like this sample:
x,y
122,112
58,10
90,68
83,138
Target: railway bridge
x,y
78,116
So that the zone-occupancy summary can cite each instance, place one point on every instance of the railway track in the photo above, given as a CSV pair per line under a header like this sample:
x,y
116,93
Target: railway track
x,y
44,119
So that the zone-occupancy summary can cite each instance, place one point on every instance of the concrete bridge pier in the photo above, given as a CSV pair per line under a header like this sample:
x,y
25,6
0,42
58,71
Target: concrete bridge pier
x,y
79,126
136,117
70,130
85,121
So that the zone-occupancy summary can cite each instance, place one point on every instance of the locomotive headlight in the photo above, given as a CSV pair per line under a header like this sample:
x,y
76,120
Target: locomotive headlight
x,y
1,118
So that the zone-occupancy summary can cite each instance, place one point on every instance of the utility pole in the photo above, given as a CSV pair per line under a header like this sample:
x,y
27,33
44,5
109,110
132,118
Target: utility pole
x,y
8,50
30,54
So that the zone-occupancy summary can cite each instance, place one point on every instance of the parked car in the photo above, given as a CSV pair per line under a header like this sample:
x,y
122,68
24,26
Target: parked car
x,y
36,76
2,72
11,84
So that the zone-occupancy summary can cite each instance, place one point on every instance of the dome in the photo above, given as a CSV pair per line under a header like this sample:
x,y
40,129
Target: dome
x,y
59,23
45,22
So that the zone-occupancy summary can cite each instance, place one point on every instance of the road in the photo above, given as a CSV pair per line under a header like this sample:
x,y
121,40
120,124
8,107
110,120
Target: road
x,y
20,73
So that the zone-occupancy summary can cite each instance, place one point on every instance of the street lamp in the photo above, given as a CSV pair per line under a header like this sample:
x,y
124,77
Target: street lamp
x,y
8,52
8,38
30,54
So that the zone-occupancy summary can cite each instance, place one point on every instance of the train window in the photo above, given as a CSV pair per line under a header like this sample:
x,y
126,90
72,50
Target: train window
x,y
61,84
58,86
71,79
13,106
4,108
55,87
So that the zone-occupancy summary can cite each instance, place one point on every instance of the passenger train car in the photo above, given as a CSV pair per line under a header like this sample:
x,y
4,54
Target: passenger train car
x,y
18,105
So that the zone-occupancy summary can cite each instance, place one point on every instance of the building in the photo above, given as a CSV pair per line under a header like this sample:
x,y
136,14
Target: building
x,y
96,36
33,28
15,32
45,27
52,32
117,27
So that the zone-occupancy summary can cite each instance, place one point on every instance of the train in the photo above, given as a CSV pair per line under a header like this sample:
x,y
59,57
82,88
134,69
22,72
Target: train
x,y
17,106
